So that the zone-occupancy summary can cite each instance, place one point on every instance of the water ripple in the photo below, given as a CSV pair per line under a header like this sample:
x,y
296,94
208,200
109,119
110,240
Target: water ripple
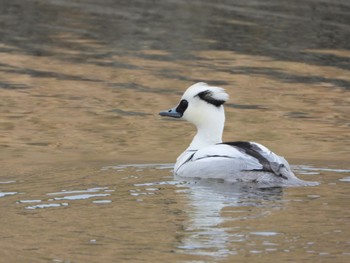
x,y
2,194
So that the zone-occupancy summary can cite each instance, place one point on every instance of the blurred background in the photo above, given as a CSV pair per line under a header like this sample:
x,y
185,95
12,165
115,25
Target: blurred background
x,y
81,85
85,80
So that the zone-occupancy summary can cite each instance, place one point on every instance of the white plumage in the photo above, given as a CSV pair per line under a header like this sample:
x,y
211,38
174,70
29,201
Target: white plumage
x,y
208,157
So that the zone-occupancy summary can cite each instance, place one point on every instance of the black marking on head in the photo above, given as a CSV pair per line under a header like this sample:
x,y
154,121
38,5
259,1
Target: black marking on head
x,y
207,96
182,106
254,151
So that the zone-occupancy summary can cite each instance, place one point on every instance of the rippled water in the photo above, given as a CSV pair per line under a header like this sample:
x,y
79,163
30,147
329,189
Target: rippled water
x,y
81,83
139,213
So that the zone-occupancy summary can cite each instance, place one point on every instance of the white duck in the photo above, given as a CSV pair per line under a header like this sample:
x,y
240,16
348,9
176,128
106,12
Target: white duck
x,y
208,157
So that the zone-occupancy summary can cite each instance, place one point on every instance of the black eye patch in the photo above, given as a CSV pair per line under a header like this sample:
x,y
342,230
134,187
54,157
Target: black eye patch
x,y
207,96
182,106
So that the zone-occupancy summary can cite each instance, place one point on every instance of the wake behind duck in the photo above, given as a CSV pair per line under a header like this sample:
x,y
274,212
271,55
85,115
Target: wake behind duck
x,y
208,157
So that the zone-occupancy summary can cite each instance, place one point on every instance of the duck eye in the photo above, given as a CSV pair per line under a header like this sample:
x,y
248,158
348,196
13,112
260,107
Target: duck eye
x,y
182,106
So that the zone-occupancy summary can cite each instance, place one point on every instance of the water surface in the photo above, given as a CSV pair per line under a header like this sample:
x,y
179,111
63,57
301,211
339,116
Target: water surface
x,y
86,162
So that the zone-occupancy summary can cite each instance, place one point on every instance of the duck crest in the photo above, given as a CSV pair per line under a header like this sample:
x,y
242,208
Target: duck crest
x,y
207,96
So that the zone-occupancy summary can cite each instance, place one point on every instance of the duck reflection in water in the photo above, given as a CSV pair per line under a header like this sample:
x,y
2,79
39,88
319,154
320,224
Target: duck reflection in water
x,y
213,204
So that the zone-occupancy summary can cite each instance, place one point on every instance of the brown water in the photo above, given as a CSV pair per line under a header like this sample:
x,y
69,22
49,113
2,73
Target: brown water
x,y
86,160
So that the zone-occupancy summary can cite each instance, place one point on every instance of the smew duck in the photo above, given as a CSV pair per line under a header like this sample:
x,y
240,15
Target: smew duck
x,y
208,157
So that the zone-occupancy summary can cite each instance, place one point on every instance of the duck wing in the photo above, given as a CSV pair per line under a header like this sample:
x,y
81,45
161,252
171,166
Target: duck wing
x,y
269,161
215,161
246,156
240,159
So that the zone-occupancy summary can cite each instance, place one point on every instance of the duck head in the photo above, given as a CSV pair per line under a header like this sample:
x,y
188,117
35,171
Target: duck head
x,y
202,105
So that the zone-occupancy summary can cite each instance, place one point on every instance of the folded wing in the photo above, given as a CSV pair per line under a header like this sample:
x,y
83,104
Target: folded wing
x,y
245,156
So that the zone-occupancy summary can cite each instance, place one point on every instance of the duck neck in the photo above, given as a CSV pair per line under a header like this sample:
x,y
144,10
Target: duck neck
x,y
208,133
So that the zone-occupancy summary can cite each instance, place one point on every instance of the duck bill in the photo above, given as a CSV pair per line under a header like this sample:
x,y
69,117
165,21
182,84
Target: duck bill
x,y
171,113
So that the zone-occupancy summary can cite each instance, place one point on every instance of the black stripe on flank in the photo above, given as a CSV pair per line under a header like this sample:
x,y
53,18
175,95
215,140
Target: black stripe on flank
x,y
189,159
207,96
215,156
